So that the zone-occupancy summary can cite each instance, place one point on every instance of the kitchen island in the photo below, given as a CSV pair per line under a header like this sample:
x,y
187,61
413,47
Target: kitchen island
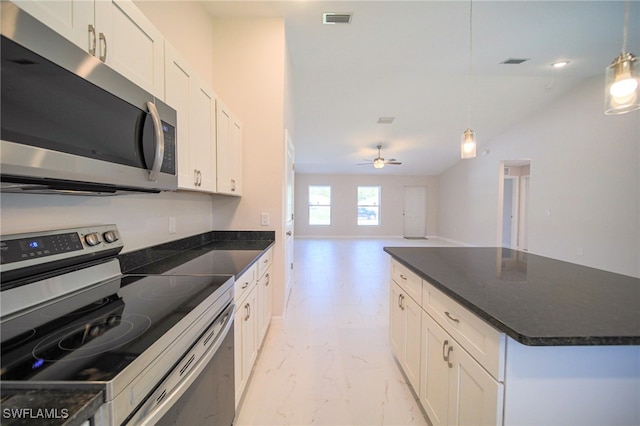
x,y
516,338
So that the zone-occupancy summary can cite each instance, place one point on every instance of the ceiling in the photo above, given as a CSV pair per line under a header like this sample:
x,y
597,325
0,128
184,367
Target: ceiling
x,y
411,60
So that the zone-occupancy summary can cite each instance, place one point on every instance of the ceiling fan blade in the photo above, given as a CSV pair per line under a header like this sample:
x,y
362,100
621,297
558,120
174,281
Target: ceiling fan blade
x,y
364,164
394,163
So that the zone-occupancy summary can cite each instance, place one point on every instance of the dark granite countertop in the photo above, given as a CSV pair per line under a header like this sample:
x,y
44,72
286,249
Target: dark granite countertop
x,y
536,300
217,252
49,406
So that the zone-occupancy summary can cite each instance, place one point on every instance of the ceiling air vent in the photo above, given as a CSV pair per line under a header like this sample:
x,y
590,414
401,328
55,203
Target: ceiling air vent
x,y
336,18
385,120
514,61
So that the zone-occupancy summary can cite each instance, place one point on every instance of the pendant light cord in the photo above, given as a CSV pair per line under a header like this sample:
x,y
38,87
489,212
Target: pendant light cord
x,y
624,29
470,82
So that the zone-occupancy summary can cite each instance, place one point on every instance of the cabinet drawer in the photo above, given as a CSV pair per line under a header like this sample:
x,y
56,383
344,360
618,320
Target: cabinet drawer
x,y
265,262
407,280
245,283
483,342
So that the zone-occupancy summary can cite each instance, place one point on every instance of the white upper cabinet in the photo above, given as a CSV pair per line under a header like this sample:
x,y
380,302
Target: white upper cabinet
x,y
195,105
229,151
115,31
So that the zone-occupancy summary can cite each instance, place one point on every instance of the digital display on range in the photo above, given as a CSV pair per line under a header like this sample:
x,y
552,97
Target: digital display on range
x,y
35,247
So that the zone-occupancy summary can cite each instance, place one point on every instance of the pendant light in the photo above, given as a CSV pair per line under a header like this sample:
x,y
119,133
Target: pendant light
x,y
622,91
468,140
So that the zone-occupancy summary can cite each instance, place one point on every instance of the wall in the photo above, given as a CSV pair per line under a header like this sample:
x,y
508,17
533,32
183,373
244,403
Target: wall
x,y
250,73
143,220
585,184
343,200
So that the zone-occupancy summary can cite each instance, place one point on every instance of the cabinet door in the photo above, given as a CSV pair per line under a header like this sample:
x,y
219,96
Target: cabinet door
x,y
397,323
236,156
434,381
179,78
129,43
247,316
69,18
475,397
265,296
229,151
411,361
203,129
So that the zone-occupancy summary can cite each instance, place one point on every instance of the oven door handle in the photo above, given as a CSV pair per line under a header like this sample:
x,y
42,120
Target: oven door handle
x,y
162,399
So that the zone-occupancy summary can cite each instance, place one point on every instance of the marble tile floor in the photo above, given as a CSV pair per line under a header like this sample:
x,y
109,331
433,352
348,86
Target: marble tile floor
x,y
328,360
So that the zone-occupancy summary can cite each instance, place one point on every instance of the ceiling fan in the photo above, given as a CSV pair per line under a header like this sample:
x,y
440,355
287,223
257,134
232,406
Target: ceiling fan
x,y
380,162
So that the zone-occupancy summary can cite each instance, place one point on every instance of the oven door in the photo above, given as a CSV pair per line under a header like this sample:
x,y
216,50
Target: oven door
x,y
201,388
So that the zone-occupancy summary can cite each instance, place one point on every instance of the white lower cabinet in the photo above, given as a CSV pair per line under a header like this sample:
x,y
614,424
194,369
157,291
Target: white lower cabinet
x,y
454,388
253,314
405,332
429,337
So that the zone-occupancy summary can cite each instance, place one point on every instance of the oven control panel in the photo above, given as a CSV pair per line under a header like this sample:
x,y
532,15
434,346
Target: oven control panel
x,y
22,250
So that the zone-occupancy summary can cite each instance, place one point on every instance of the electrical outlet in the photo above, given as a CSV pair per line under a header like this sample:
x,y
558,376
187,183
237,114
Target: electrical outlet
x,y
264,219
172,225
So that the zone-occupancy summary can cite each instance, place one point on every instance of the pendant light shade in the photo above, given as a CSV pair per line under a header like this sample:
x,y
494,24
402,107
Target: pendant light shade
x,y
622,78
468,144
622,91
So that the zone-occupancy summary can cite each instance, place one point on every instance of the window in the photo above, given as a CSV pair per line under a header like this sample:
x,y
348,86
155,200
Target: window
x,y
368,205
319,205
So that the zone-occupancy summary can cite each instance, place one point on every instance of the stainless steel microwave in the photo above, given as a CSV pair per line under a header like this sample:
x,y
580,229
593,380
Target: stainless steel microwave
x,y
71,124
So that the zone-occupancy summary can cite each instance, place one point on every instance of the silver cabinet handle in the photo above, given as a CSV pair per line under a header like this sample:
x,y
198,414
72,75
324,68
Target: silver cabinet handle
x,y
103,44
268,280
199,177
400,300
157,128
92,40
456,320
247,307
233,185
245,285
195,177
446,352
289,233
403,277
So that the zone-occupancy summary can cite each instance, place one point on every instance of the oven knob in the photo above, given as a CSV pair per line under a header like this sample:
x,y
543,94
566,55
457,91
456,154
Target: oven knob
x,y
110,236
92,239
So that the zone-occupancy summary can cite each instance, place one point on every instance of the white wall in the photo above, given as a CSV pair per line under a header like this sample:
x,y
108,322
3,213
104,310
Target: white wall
x,y
250,73
585,184
344,203
142,219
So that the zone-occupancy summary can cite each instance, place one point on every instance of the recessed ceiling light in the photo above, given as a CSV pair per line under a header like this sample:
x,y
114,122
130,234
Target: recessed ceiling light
x,y
560,64
514,61
386,120
336,18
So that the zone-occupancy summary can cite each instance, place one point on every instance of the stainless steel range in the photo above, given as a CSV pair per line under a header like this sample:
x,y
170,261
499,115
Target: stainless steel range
x,y
70,319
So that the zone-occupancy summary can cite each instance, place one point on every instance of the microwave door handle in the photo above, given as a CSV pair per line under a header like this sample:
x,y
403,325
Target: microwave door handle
x,y
157,128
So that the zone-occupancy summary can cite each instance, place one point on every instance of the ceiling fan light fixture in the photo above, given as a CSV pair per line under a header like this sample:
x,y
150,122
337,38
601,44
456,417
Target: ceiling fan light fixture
x,y
378,163
468,144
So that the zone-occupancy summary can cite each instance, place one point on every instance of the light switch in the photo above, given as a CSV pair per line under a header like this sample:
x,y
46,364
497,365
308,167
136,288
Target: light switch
x,y
264,219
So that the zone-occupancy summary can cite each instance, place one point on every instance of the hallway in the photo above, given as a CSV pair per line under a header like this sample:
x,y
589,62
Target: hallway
x,y
328,361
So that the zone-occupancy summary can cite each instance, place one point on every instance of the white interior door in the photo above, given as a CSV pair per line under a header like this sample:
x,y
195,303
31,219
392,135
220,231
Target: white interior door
x,y
415,211
289,221
509,212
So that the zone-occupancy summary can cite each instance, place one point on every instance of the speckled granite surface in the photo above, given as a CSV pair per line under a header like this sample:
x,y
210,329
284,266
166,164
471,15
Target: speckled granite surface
x,y
536,300
216,252
49,407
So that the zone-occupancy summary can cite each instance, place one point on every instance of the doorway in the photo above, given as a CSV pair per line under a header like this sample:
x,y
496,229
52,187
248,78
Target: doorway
x,y
515,176
415,212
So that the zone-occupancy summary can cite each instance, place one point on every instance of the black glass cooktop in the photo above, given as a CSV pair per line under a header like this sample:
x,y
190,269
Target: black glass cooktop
x,y
95,334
